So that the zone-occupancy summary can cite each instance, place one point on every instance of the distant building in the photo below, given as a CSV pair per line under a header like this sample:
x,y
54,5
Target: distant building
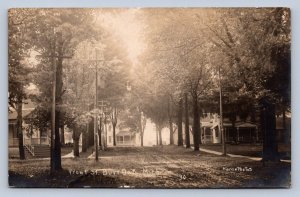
x,y
125,138
241,132
30,134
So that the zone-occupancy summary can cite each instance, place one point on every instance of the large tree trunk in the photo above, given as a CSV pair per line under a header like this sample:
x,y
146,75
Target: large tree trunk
x,y
91,133
76,147
187,130
57,144
84,141
59,85
62,134
142,138
105,133
268,126
19,130
159,136
170,123
179,123
196,123
76,137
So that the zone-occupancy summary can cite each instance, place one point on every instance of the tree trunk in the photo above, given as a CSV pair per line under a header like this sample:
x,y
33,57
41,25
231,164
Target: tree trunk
x,y
142,139
187,131
76,147
170,123
62,134
57,144
114,124
179,123
196,123
84,141
159,136
114,133
268,125
19,130
99,134
76,137
91,133
59,85
105,133
156,136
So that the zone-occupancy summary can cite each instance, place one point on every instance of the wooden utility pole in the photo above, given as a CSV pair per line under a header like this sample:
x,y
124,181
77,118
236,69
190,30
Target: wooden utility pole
x,y
95,114
53,57
221,116
53,111
96,107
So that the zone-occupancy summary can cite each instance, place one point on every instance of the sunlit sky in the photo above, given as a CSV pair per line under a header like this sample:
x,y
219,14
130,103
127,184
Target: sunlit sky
x,y
125,24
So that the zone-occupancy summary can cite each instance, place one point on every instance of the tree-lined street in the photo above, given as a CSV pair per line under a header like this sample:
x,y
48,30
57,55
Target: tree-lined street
x,y
147,89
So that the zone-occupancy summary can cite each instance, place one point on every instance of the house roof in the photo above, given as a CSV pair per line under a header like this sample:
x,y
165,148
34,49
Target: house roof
x,y
225,124
245,125
237,125
125,133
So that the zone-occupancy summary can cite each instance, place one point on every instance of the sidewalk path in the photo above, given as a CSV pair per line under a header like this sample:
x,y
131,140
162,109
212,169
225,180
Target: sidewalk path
x,y
71,154
237,156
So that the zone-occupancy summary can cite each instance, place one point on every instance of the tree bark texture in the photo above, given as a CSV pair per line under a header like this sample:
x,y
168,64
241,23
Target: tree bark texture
x,y
187,131
19,130
268,126
170,122
196,123
179,123
62,134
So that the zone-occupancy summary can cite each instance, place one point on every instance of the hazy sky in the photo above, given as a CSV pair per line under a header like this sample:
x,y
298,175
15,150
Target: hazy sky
x,y
125,24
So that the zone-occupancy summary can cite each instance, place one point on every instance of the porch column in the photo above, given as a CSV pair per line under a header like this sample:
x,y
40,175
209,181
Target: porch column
x,y
238,133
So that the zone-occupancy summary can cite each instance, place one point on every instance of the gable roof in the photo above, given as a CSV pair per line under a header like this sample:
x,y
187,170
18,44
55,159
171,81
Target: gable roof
x,y
245,125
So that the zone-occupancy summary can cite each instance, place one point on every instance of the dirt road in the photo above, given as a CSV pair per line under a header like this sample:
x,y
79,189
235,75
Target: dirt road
x,y
165,167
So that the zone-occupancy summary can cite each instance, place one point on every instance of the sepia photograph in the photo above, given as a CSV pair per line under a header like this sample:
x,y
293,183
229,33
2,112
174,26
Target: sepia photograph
x,y
156,98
